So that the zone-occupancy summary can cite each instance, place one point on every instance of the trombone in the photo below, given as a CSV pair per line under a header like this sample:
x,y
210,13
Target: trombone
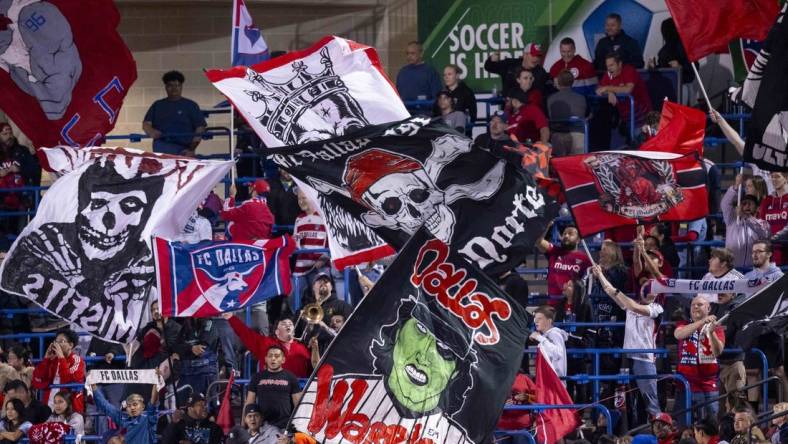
x,y
313,315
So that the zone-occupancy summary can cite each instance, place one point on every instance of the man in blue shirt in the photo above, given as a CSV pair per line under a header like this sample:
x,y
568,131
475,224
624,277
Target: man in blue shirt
x,y
417,80
175,123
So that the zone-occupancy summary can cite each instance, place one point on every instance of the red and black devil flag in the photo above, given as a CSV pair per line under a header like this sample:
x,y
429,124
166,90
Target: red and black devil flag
x,y
610,189
428,357
397,177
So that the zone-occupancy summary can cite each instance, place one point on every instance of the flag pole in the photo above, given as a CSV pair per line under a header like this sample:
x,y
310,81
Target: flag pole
x,y
233,171
588,252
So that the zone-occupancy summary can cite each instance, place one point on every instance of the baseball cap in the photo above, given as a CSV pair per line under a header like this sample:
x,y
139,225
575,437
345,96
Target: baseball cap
x,y
261,186
501,115
534,49
320,275
663,417
194,399
516,93
251,408
750,197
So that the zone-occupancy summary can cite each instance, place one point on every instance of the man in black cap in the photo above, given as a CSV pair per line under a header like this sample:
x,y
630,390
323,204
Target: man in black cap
x,y
321,291
255,430
194,427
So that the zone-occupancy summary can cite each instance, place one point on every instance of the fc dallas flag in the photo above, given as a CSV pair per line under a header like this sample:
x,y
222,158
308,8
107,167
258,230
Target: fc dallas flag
x,y
554,424
206,279
399,176
64,70
330,89
427,357
87,257
681,130
616,188
707,26
766,92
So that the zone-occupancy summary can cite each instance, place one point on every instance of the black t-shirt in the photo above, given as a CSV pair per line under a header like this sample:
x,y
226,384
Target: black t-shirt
x,y
37,412
274,392
195,431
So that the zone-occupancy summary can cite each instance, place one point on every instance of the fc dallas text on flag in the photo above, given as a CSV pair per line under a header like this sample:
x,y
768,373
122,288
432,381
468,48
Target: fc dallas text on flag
x,y
87,254
398,176
428,356
609,189
334,87
209,278
64,74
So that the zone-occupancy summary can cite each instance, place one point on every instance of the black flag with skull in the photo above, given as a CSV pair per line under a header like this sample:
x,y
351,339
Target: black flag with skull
x,y
398,177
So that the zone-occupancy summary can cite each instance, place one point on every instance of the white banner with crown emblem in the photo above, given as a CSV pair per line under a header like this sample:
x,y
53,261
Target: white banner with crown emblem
x,y
330,89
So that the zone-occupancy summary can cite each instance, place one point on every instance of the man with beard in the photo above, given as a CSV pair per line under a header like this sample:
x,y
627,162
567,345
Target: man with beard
x,y
565,262
322,293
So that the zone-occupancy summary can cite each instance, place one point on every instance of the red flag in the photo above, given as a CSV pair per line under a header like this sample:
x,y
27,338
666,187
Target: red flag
x,y
610,189
552,425
681,130
707,26
66,71
224,418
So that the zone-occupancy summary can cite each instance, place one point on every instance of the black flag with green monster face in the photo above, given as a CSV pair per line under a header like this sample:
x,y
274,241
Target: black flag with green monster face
x,y
428,356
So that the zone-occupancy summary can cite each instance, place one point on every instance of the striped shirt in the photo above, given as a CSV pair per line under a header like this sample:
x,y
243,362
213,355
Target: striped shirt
x,y
309,232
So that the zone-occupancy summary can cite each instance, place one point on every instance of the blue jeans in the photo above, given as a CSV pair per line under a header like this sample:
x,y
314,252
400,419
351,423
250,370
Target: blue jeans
x,y
707,411
227,339
647,387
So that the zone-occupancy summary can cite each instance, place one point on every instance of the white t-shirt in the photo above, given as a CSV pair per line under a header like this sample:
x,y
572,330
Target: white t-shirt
x,y
641,331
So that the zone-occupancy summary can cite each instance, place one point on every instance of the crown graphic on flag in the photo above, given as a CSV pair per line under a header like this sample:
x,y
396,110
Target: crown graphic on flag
x,y
286,102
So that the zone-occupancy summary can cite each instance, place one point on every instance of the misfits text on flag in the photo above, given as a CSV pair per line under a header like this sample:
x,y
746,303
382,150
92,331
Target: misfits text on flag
x,y
86,256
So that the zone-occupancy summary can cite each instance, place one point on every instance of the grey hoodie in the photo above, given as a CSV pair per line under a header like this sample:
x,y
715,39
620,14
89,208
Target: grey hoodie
x,y
553,344
741,233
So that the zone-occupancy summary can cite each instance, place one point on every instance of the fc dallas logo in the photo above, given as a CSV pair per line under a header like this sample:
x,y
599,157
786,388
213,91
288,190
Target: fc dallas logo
x,y
634,187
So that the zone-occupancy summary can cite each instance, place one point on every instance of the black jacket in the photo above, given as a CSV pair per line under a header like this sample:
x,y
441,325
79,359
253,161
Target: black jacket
x,y
508,68
626,46
464,100
187,427
283,202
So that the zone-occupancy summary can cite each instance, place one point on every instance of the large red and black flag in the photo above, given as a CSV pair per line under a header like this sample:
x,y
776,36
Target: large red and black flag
x,y
397,177
610,189
64,69
427,357
765,91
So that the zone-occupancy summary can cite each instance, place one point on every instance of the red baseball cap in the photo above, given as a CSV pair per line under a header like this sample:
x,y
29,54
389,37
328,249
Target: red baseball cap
x,y
534,49
663,417
261,186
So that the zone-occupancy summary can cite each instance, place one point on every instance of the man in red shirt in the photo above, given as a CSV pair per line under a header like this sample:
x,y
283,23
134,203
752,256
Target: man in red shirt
x,y
566,262
700,343
252,220
582,70
774,210
298,359
624,79
527,121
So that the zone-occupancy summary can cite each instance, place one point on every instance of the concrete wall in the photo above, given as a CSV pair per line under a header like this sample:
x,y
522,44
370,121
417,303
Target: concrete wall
x,y
190,36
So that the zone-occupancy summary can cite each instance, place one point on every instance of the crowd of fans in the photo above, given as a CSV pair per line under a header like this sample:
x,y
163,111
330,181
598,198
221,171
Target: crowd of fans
x,y
44,402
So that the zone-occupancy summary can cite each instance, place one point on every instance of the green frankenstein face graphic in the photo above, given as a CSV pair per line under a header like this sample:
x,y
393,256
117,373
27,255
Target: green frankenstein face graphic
x,y
422,368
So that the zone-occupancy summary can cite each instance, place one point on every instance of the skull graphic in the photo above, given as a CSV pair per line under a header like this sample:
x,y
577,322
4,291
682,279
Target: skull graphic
x,y
108,220
402,192
112,210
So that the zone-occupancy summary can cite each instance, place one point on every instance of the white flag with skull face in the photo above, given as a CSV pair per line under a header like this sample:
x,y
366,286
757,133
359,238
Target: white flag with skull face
x,y
86,257
330,89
